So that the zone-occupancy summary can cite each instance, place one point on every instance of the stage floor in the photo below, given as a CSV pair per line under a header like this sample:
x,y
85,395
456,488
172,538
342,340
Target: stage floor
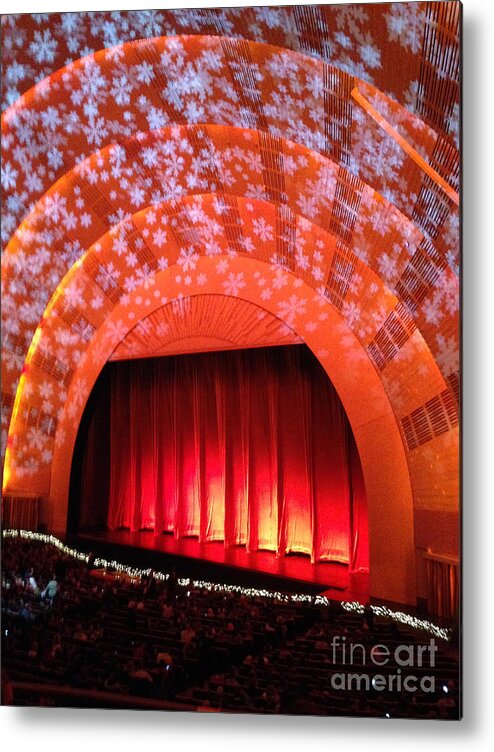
x,y
212,561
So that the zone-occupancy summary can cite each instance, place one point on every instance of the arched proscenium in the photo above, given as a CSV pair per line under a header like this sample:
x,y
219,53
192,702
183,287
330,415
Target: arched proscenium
x,y
384,463
93,294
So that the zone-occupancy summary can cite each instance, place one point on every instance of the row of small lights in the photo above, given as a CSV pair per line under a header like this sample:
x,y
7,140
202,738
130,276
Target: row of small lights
x,y
317,600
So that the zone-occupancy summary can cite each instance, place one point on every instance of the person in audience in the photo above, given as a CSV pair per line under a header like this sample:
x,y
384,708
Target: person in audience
x,y
31,583
187,635
51,589
112,684
272,699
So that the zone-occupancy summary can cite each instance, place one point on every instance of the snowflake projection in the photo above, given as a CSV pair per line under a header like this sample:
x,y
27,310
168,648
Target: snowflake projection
x,y
263,229
387,267
234,283
73,294
9,176
105,97
188,259
43,47
448,359
370,55
449,239
79,392
289,310
113,184
115,331
406,25
114,169
289,304
349,31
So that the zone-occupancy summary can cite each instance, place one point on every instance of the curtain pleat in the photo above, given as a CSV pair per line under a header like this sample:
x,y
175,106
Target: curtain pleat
x,y
236,448
443,588
294,476
330,474
211,438
188,447
20,512
121,504
358,511
263,455
166,408
250,448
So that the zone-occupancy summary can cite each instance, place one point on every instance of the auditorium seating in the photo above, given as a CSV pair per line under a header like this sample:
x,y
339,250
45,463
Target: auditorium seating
x,y
100,638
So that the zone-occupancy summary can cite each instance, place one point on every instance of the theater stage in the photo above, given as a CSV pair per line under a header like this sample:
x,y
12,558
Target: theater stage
x,y
213,562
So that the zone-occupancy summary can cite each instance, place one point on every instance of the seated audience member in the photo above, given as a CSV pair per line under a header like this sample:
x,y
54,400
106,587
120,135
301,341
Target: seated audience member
x,y
51,589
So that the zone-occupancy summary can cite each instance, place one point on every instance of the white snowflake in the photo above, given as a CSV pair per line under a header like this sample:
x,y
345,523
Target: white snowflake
x,y
188,259
120,89
50,118
159,237
150,157
96,301
222,266
234,283
108,276
36,438
289,309
115,331
136,194
9,176
406,25
370,56
387,266
46,389
432,312
448,356
43,47
55,158
144,72
263,229
280,279
73,294
351,312
15,72
156,119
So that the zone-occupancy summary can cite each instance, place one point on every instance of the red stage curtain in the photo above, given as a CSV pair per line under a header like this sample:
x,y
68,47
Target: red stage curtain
x,y
248,447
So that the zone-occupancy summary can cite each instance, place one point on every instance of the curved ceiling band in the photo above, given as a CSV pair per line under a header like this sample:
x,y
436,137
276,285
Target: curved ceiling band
x,y
361,42
121,179
146,84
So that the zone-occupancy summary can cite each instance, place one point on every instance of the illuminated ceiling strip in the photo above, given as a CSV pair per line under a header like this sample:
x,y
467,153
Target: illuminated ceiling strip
x,y
403,143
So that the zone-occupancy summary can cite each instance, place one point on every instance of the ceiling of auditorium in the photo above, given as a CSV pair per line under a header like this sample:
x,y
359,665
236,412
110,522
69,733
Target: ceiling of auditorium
x,y
145,154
